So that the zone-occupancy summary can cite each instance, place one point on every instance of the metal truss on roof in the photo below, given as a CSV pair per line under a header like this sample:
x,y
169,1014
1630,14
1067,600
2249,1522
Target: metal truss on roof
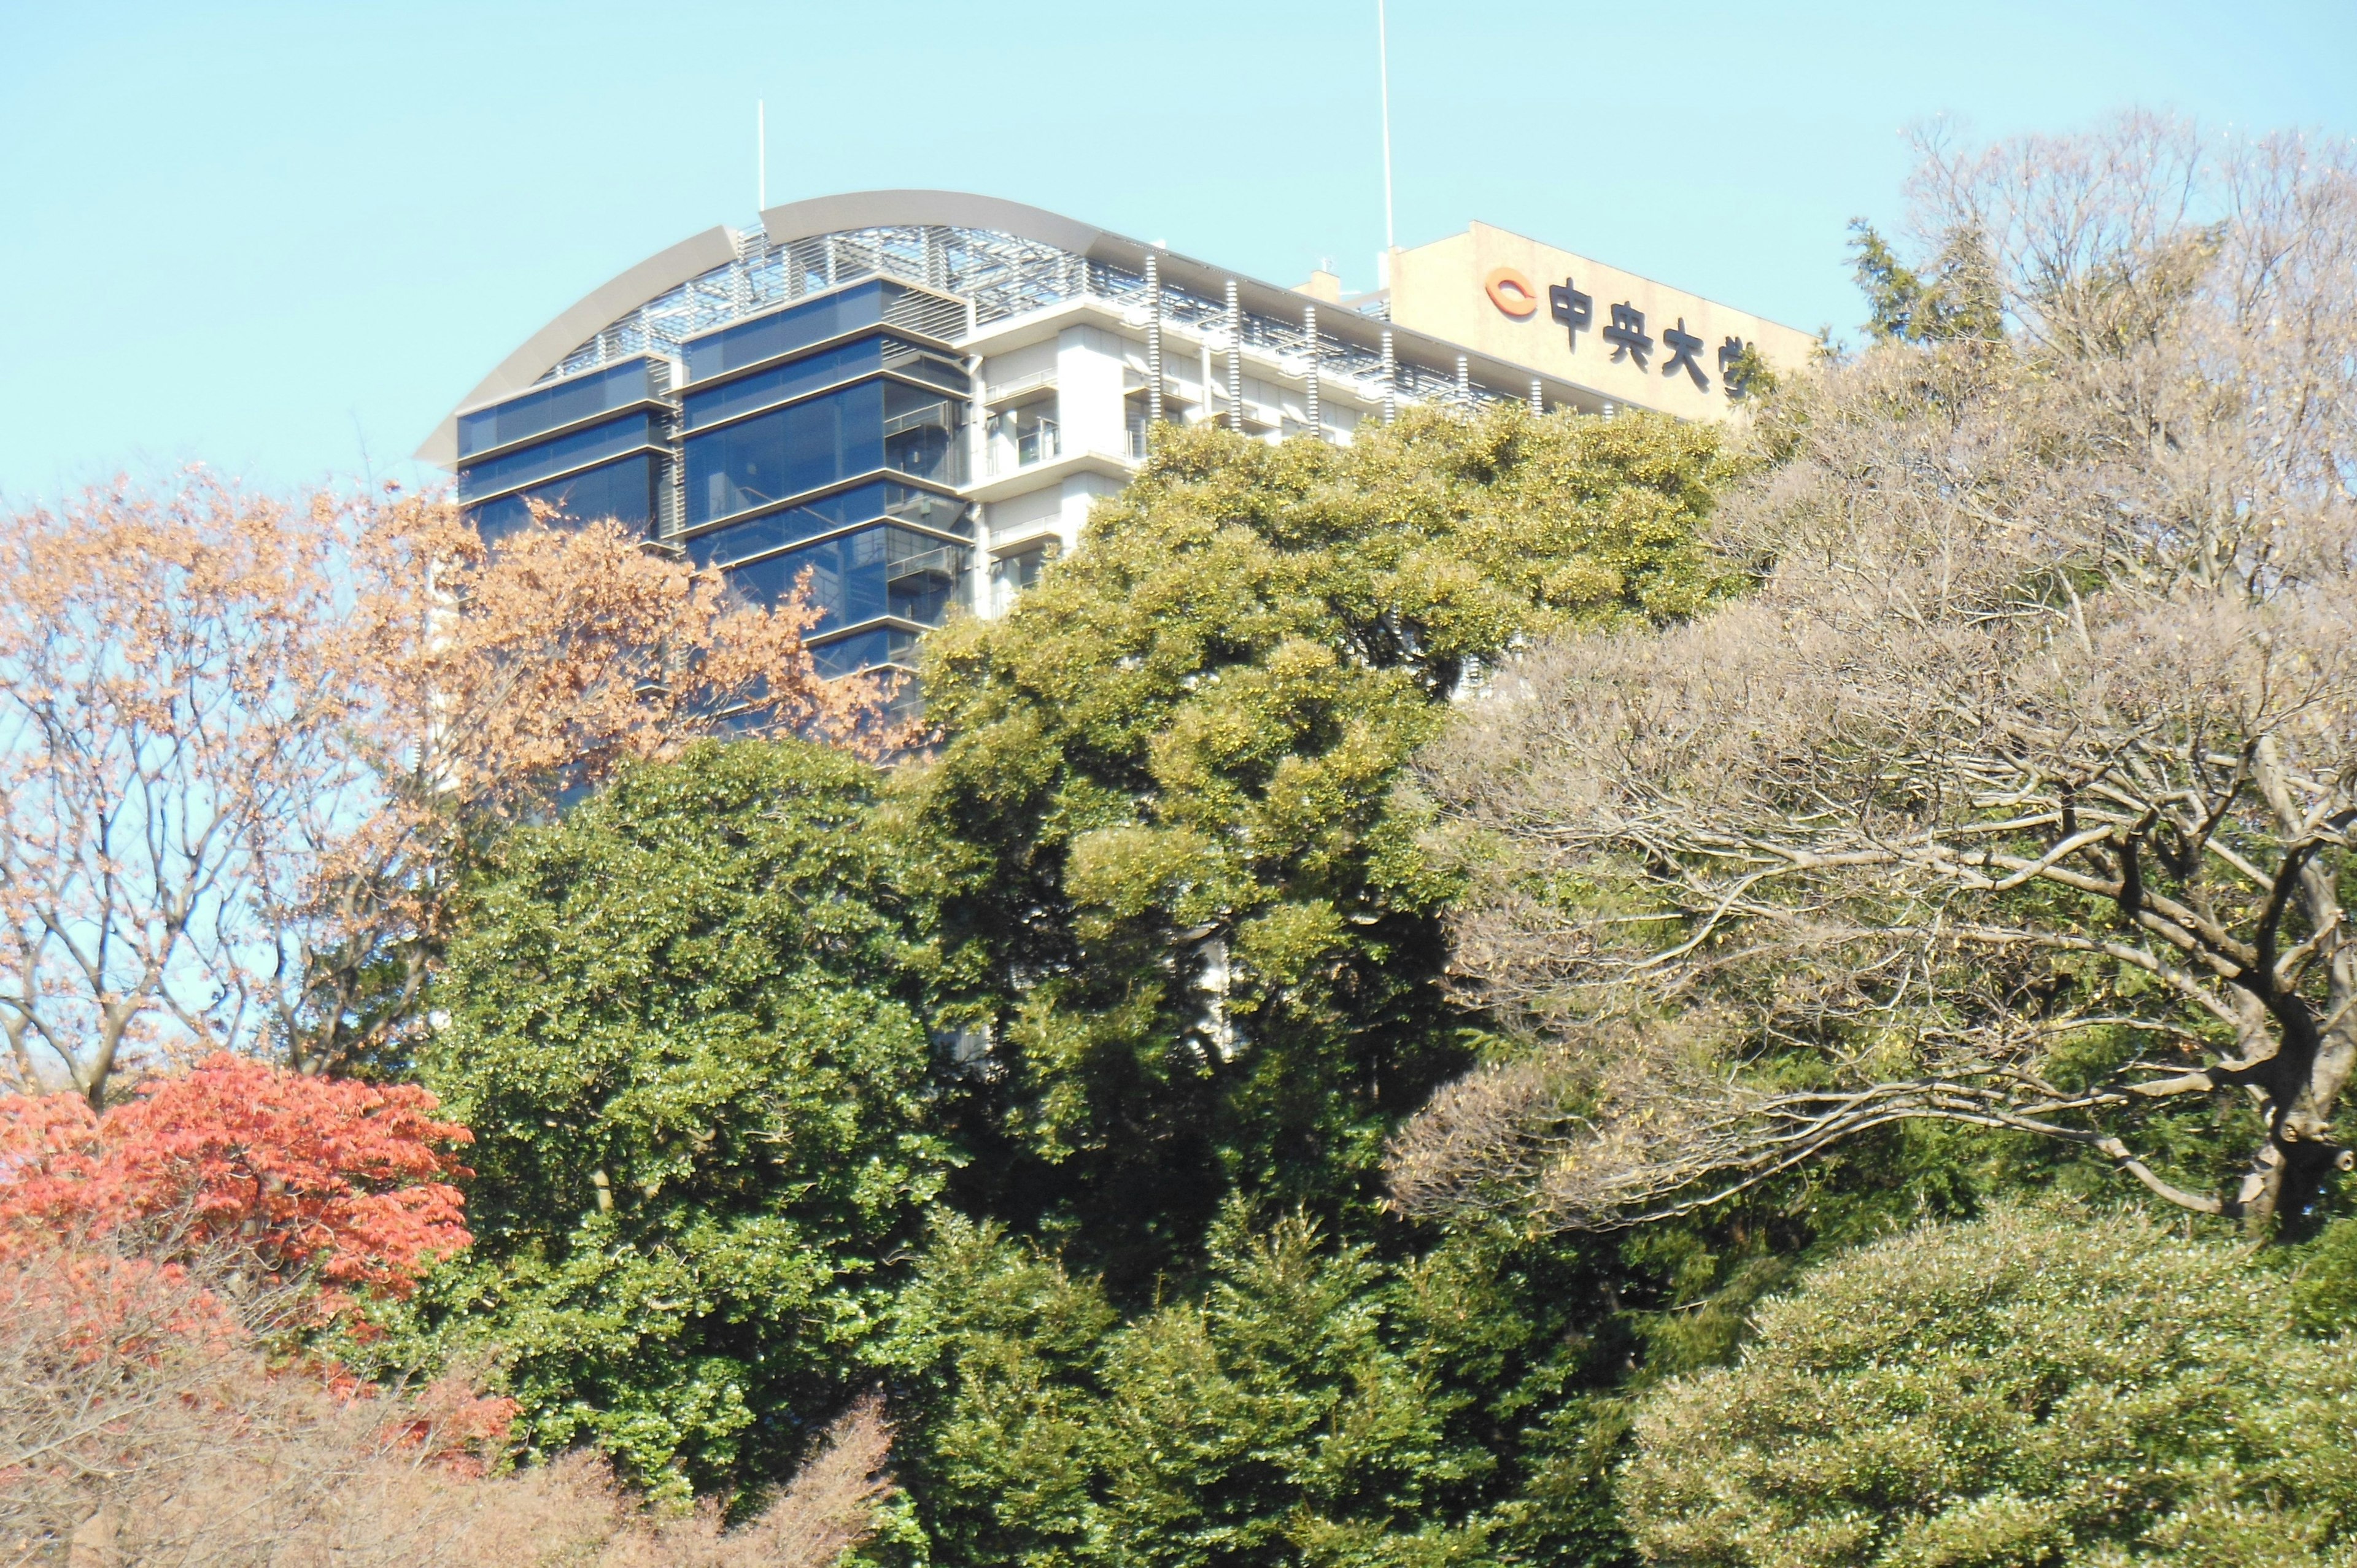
x,y
999,275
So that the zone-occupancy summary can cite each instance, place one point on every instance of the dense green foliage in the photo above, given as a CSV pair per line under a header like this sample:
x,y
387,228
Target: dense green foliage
x,y
2028,1389
681,1029
1309,1404
1160,850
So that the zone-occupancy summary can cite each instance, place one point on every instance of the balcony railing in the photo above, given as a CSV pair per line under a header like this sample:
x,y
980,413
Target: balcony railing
x,y
1027,445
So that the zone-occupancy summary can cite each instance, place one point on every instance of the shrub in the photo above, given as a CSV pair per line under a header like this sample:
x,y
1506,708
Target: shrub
x,y
2011,1391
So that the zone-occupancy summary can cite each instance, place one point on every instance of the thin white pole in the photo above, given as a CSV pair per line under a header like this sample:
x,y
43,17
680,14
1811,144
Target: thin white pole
x,y
1384,70
761,152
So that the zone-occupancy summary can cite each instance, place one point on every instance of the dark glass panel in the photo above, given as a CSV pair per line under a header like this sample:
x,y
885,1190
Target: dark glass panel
x,y
623,491
804,446
575,450
790,525
783,331
575,398
865,650
781,382
923,433
853,577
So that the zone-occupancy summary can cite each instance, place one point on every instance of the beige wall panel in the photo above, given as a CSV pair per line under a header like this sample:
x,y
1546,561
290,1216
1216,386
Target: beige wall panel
x,y
1441,288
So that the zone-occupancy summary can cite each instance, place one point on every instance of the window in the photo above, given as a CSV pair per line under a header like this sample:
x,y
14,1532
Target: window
x,y
783,331
804,446
820,441
796,378
575,450
923,433
623,491
741,541
1011,574
865,650
855,577
1023,436
564,402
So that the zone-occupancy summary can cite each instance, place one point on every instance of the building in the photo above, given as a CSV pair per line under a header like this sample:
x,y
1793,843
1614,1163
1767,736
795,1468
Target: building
x,y
916,395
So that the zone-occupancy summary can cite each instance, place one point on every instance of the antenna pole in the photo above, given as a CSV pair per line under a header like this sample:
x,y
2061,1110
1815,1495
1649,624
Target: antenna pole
x,y
1383,70
761,152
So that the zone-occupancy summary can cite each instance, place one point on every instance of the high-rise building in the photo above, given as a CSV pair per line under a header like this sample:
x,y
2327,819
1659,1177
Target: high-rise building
x,y
914,396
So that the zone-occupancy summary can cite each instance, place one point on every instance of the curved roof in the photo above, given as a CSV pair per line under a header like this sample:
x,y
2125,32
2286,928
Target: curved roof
x,y
715,247
852,211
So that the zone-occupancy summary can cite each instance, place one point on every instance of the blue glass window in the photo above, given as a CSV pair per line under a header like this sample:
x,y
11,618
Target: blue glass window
x,y
804,446
865,650
783,331
861,503
572,451
781,384
883,571
623,491
575,398
823,441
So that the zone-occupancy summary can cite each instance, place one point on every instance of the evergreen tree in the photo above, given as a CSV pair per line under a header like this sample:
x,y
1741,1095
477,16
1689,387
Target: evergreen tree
x,y
680,1027
1161,852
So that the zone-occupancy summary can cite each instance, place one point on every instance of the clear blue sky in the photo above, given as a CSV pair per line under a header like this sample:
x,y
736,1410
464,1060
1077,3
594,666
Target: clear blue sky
x,y
284,238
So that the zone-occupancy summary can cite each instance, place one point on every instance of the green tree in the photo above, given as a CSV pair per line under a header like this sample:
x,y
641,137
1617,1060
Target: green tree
x,y
1312,1404
679,1027
2012,1391
1162,854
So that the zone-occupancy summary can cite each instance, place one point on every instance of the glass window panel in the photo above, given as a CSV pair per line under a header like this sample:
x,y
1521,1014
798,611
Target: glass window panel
x,y
923,433
575,398
781,382
853,577
795,377
623,491
783,331
738,541
804,446
573,450
865,650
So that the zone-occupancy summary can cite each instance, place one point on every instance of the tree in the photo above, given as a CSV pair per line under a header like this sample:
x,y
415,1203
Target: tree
x,y
679,1027
1310,1404
2010,1392
346,1185
243,747
1162,869
2019,795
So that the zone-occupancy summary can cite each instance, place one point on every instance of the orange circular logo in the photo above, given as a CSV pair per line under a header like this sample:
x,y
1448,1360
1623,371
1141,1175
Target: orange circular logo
x,y
1511,292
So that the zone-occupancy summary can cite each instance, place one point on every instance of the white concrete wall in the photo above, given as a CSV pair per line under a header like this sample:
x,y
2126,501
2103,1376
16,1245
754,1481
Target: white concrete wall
x,y
1089,365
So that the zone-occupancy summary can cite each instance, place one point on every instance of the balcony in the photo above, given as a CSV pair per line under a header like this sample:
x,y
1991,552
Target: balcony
x,y
1021,438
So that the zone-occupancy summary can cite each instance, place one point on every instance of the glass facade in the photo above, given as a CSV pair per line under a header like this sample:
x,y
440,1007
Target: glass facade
x,y
806,446
765,458
879,501
815,370
796,326
623,490
576,449
567,401
871,575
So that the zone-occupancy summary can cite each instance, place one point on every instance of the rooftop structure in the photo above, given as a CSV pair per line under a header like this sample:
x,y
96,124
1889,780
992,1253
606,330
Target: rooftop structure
x,y
916,395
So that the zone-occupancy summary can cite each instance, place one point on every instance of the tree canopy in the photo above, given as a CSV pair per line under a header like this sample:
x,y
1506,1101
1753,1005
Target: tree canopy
x,y
2028,1389
1159,857
695,1067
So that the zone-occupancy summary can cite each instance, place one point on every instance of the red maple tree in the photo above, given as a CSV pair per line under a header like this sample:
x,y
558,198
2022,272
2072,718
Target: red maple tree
x,y
346,1182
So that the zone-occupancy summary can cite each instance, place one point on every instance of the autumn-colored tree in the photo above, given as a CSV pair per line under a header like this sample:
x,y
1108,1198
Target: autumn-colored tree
x,y
345,1183
243,746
